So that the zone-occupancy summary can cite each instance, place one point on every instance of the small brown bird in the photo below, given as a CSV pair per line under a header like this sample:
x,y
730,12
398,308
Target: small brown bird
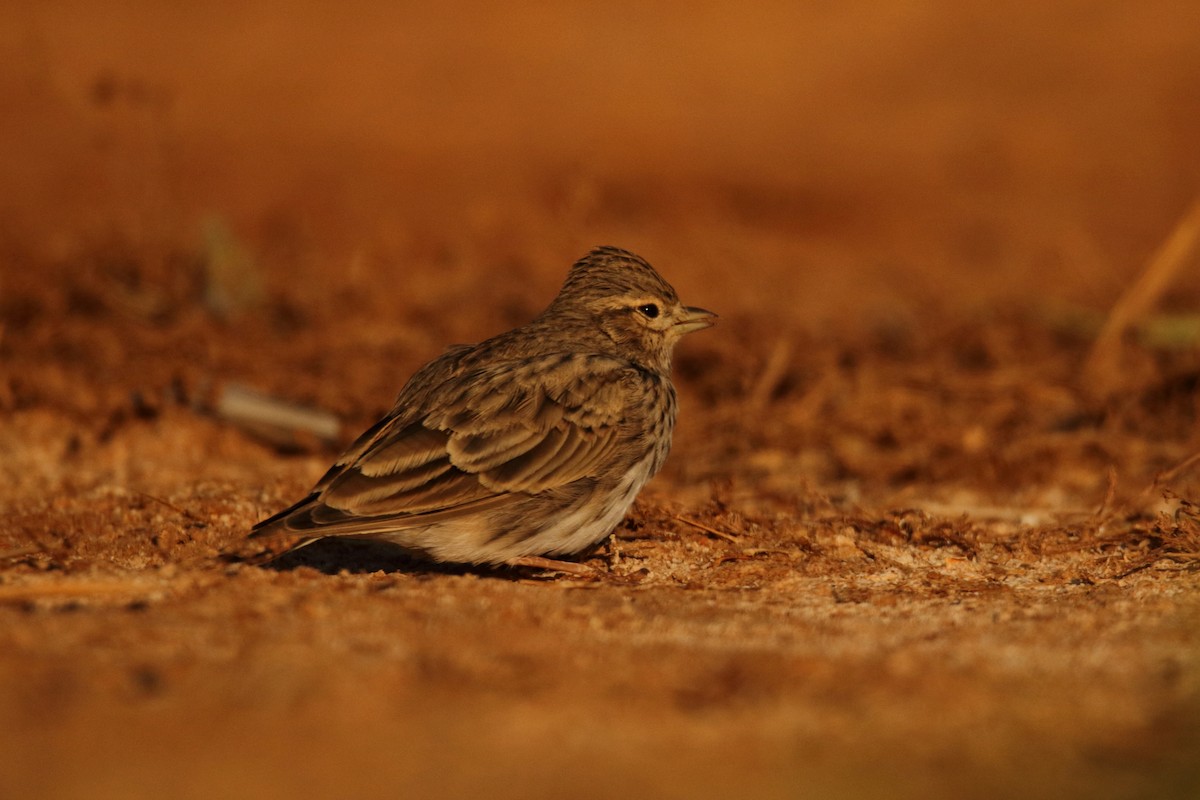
x,y
530,444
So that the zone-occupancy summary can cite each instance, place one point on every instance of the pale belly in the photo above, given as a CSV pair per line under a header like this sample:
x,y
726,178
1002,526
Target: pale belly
x,y
470,540
581,530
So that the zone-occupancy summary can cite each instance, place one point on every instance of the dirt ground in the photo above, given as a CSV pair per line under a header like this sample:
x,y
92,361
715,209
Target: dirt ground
x,y
910,542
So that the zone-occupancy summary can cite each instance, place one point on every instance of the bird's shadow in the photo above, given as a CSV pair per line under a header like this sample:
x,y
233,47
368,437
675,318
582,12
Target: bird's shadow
x,y
333,556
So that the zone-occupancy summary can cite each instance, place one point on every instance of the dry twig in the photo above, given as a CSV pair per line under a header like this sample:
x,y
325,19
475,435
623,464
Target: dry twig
x,y
702,527
183,512
1101,369
282,423
1171,474
773,373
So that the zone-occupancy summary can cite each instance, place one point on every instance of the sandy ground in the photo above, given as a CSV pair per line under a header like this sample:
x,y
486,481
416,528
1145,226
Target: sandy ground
x,y
906,545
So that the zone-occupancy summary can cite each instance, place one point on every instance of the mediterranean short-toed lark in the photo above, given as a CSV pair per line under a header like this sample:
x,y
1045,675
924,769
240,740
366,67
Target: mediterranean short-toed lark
x,y
531,444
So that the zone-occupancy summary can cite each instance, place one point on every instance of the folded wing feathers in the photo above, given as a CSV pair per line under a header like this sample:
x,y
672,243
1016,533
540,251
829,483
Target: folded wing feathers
x,y
449,490
413,446
354,490
477,450
491,449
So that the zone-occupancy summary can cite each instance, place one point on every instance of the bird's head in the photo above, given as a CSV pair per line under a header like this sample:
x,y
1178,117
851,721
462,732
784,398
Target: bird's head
x,y
627,305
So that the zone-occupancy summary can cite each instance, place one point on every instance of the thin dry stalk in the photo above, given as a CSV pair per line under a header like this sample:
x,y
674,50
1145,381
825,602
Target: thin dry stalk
x,y
1101,368
1174,472
183,512
771,376
702,527
1107,507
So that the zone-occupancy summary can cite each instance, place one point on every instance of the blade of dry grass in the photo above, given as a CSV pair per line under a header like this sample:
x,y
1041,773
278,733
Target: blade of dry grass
x,y
772,375
709,530
1101,368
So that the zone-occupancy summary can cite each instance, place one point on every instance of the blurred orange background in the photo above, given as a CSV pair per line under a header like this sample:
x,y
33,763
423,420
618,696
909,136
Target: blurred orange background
x,y
837,159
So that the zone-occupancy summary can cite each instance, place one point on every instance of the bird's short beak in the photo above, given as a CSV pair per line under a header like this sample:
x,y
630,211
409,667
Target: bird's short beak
x,y
695,319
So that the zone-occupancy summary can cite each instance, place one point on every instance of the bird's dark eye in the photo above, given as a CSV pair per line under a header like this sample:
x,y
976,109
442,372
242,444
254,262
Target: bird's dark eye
x,y
649,310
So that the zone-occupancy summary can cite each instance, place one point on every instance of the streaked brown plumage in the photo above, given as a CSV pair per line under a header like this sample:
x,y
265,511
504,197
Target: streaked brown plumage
x,y
532,443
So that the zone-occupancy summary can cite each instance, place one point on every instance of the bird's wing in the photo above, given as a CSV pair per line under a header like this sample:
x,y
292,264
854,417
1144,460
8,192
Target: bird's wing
x,y
491,437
